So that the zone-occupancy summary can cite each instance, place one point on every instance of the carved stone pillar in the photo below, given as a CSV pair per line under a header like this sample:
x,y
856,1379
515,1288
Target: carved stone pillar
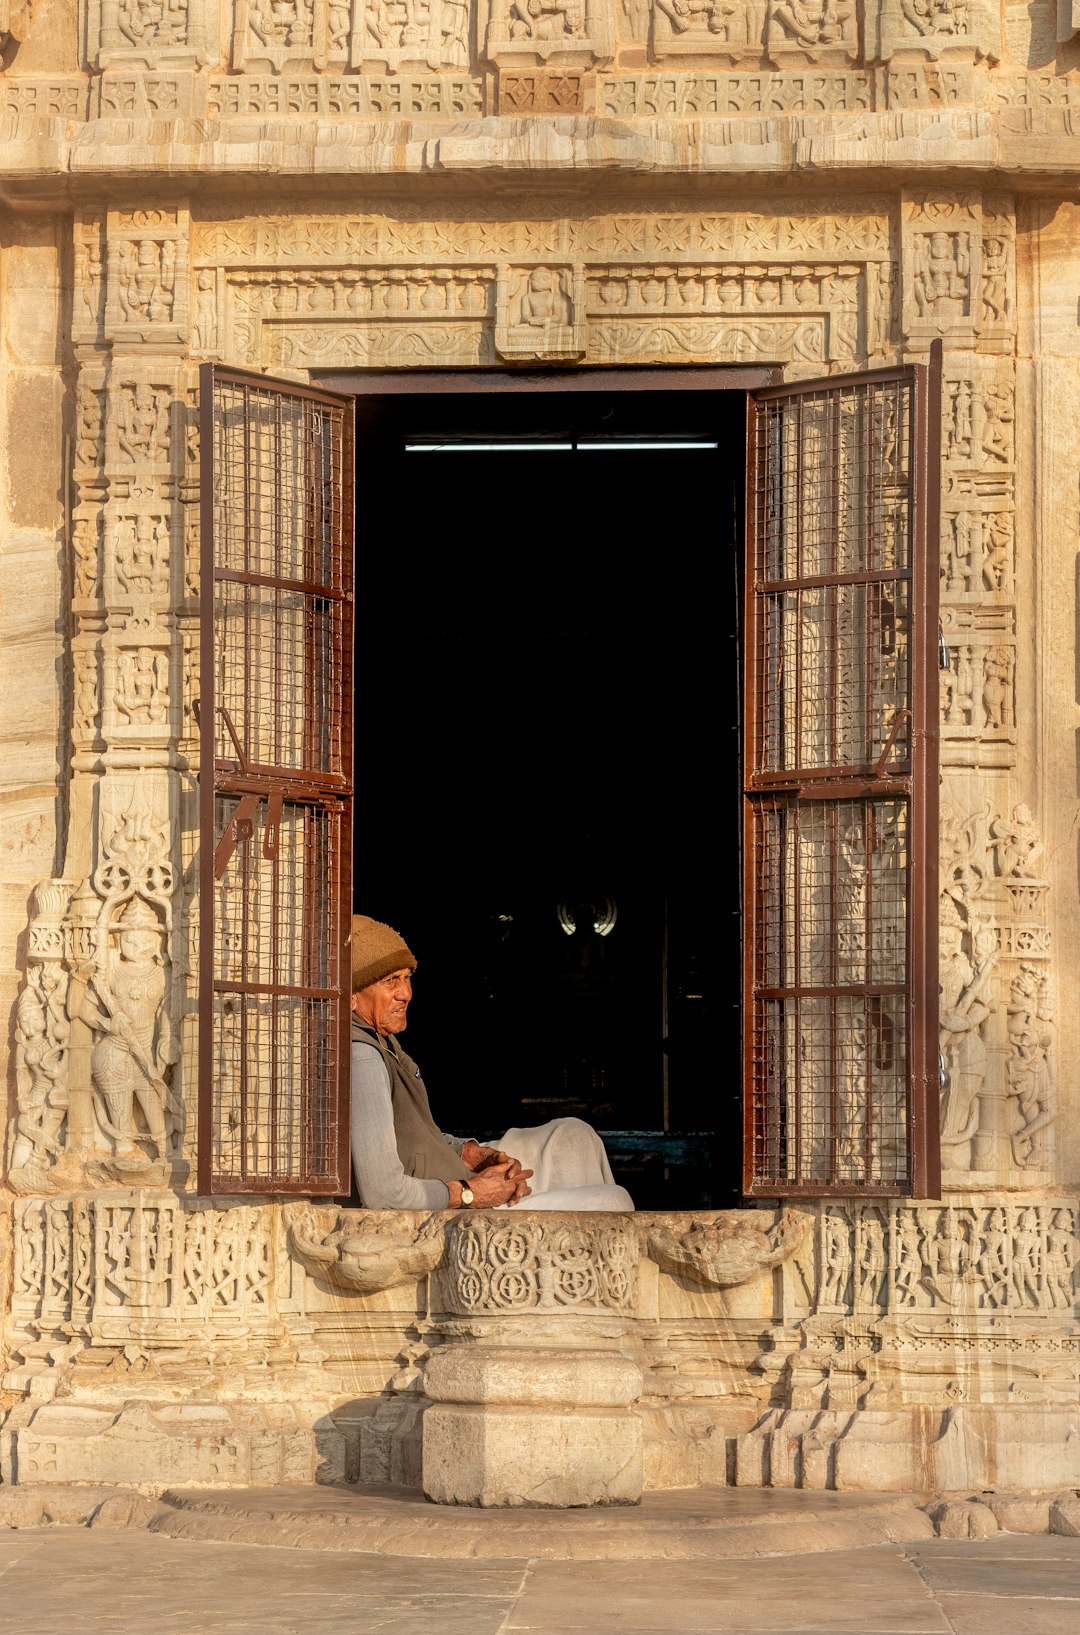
x,y
548,1425
533,1400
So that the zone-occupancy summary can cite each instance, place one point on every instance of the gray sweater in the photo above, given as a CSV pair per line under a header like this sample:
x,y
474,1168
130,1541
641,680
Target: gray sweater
x,y
380,1175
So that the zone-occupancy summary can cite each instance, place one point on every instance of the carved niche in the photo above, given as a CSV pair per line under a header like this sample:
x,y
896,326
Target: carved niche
x,y
539,314
959,269
147,277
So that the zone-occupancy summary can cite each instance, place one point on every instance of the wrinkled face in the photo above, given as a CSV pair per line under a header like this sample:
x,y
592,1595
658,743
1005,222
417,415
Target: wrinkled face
x,y
383,1005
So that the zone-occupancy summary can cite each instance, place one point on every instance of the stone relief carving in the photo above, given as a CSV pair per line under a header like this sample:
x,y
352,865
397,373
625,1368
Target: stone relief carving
x,y
147,274
41,1041
939,28
716,28
401,34
369,96
539,313
14,24
566,33
896,1258
997,1013
777,306
813,30
722,95
729,1250
149,33
96,1040
978,569
86,556
366,1252
147,280
91,1264
509,1263
142,423
959,255
852,227
140,557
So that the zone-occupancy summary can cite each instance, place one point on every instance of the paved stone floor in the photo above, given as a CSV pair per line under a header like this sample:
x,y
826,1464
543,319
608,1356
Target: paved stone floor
x,y
95,1581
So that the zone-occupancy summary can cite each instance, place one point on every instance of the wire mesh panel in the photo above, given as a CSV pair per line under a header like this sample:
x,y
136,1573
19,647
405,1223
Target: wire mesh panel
x,y
276,841
840,961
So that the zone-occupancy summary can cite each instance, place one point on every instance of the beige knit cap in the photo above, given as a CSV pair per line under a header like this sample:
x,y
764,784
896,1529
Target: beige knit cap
x,y
377,949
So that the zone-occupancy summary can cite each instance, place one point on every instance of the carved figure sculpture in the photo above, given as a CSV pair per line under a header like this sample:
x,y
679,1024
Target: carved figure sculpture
x,y
543,300
941,275
133,1048
995,264
546,19
1030,1032
997,422
147,281
141,553
997,689
964,1010
698,16
936,16
812,22
141,422
396,24
1017,844
156,22
84,546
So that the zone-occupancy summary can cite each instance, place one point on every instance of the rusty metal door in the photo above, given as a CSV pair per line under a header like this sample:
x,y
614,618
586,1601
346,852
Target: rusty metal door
x,y
840,787
275,712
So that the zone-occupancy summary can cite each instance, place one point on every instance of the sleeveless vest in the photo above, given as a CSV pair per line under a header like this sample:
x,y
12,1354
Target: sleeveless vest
x,y
421,1148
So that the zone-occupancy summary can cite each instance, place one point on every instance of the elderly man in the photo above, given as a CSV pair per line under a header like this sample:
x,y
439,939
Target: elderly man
x,y
402,1159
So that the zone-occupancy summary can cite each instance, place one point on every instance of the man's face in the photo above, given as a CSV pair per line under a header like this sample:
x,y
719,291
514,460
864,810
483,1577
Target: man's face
x,y
383,1005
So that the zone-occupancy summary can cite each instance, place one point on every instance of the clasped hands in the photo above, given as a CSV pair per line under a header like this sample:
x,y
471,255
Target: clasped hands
x,y
497,1178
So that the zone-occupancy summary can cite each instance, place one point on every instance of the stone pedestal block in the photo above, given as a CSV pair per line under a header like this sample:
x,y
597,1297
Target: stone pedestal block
x,y
532,1427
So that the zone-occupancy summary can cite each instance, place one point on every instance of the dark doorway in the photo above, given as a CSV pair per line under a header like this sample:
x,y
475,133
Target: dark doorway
x,y
547,761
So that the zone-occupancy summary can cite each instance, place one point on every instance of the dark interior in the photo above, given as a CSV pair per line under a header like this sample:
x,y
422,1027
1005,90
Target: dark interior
x,y
547,732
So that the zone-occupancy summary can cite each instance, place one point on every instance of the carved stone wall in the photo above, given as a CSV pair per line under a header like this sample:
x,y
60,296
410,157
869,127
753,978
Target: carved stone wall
x,y
644,59
775,184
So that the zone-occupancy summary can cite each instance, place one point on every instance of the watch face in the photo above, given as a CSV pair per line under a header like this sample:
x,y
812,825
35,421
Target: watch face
x,y
466,1195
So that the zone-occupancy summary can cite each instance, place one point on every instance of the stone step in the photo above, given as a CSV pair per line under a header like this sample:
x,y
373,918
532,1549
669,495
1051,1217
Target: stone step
x,y
699,1524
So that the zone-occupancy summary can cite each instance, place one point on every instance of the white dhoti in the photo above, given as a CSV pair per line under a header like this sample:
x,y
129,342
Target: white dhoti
x,y
570,1167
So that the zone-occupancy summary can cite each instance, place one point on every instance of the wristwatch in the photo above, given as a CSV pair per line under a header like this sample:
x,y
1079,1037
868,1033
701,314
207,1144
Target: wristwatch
x,y
467,1196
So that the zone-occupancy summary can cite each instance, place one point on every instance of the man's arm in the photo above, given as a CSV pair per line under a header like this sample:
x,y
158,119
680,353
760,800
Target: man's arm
x,y
380,1177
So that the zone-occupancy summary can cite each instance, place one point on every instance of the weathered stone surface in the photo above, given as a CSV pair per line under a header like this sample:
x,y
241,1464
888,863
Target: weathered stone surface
x,y
1065,1515
963,1518
535,1427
